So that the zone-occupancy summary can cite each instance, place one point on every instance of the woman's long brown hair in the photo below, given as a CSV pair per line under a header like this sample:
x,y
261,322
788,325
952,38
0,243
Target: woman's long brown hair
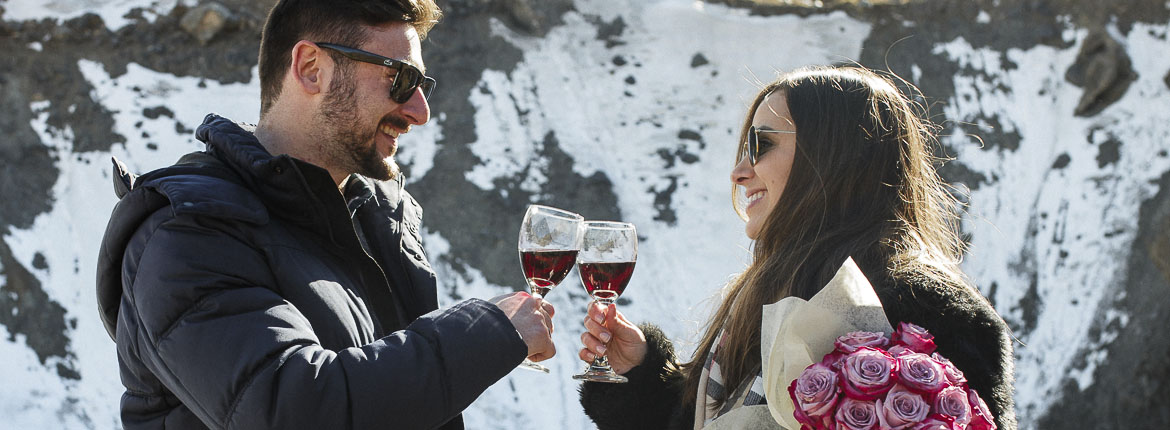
x,y
863,184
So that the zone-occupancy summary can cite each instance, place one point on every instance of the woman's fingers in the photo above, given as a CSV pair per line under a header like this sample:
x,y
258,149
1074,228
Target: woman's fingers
x,y
593,343
596,329
586,355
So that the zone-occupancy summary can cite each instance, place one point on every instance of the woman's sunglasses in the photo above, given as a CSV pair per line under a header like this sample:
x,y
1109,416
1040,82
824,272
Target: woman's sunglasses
x,y
405,81
756,147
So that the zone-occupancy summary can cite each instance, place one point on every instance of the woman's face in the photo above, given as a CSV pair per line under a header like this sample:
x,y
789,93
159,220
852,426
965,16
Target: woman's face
x,y
764,182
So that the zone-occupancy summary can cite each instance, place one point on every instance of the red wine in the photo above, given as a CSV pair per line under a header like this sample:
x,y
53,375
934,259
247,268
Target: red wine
x,y
606,280
545,269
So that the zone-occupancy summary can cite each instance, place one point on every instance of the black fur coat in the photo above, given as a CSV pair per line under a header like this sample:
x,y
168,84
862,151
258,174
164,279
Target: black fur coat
x,y
967,330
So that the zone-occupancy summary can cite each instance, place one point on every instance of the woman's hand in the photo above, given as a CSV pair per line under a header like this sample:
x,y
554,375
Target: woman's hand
x,y
608,332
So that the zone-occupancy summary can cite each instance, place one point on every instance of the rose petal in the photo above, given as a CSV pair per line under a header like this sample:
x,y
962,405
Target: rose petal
x,y
921,373
914,337
868,373
857,339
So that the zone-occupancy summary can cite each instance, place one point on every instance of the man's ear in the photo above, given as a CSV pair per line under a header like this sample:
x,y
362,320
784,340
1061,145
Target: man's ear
x,y
311,67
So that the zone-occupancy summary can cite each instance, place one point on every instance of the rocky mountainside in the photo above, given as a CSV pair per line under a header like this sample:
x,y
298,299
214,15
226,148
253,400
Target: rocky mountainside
x,y
1055,112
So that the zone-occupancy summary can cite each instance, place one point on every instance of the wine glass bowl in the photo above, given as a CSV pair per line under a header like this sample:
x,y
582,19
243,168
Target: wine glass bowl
x,y
605,263
548,245
549,241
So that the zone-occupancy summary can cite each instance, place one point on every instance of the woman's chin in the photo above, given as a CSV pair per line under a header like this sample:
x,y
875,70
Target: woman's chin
x,y
751,230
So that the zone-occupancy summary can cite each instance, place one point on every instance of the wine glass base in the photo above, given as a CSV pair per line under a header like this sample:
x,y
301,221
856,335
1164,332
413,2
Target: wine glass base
x,y
601,376
531,365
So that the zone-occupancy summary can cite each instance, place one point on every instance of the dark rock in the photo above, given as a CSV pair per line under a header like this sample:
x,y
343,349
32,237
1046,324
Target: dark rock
x,y
1109,152
1129,388
1061,161
206,21
25,309
157,111
699,60
662,202
1104,70
610,32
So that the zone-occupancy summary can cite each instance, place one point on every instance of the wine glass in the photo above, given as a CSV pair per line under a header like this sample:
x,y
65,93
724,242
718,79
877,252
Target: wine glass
x,y
605,263
549,240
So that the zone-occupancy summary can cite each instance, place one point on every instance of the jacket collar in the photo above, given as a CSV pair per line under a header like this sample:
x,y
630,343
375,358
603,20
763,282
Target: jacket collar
x,y
292,189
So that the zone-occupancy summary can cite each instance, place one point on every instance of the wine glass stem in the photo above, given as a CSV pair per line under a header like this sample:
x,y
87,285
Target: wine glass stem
x,y
540,292
601,362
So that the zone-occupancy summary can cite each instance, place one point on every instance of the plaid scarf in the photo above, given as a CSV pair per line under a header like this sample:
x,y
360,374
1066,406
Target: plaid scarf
x,y
748,393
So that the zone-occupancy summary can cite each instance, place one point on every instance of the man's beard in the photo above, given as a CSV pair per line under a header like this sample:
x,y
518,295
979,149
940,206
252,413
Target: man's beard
x,y
345,142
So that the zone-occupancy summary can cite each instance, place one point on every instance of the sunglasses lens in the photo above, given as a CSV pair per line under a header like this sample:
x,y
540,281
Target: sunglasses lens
x,y
428,85
753,146
404,84
407,80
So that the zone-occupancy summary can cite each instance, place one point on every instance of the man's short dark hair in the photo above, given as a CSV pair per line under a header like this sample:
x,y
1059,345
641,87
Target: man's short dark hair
x,y
334,21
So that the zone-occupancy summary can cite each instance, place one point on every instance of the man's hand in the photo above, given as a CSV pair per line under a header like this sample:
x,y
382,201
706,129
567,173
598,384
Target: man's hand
x,y
532,317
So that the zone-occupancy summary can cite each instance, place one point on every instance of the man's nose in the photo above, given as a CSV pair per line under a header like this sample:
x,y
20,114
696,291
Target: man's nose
x,y
416,110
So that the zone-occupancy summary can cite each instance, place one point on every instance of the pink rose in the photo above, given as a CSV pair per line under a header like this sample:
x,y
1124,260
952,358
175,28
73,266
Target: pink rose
x,y
899,350
815,392
980,416
853,414
914,337
921,373
901,409
938,422
868,373
857,339
954,375
833,360
953,403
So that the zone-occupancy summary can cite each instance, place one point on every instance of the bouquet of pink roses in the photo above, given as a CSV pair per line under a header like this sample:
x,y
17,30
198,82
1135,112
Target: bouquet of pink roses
x,y
873,382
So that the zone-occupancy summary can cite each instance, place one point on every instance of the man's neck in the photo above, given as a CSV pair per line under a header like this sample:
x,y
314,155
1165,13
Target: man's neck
x,y
279,139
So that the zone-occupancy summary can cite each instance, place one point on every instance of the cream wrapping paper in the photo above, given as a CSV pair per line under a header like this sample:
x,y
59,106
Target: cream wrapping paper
x,y
796,333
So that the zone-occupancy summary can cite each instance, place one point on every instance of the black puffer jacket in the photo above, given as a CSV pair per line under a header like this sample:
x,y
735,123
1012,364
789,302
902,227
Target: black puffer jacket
x,y
966,328
240,297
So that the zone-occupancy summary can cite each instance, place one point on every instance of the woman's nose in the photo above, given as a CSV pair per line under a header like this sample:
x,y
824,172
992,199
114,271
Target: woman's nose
x,y
742,171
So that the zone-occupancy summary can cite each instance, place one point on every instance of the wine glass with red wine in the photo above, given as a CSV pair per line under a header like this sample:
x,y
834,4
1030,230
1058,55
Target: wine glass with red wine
x,y
549,240
605,263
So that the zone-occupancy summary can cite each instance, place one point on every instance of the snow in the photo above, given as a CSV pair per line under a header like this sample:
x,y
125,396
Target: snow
x,y
69,236
1072,226
112,12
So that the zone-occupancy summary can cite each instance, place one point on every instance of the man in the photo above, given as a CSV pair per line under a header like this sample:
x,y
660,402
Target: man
x,y
277,279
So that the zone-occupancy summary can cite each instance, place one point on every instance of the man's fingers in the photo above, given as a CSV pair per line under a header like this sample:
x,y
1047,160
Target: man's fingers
x,y
547,308
548,351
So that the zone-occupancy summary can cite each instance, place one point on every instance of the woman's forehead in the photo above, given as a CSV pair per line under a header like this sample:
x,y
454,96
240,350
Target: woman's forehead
x,y
773,112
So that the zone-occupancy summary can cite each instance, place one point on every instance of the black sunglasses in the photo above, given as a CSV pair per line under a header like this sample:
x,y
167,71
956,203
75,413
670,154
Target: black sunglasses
x,y
756,147
405,81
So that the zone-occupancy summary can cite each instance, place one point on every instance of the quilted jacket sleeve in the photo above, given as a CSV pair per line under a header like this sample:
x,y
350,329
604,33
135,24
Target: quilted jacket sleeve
x,y
201,318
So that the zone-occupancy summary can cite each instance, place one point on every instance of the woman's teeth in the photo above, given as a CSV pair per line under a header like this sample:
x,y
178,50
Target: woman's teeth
x,y
755,196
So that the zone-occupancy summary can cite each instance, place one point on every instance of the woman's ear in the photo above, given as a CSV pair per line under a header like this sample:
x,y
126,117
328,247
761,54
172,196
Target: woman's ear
x,y
310,67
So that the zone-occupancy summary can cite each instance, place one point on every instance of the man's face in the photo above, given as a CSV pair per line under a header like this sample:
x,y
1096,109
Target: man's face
x,y
359,124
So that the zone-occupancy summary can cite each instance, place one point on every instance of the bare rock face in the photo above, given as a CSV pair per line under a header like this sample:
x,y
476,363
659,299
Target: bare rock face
x,y
206,21
1104,70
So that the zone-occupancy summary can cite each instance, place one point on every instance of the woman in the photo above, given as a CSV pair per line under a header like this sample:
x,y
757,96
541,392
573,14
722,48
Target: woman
x,y
834,162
